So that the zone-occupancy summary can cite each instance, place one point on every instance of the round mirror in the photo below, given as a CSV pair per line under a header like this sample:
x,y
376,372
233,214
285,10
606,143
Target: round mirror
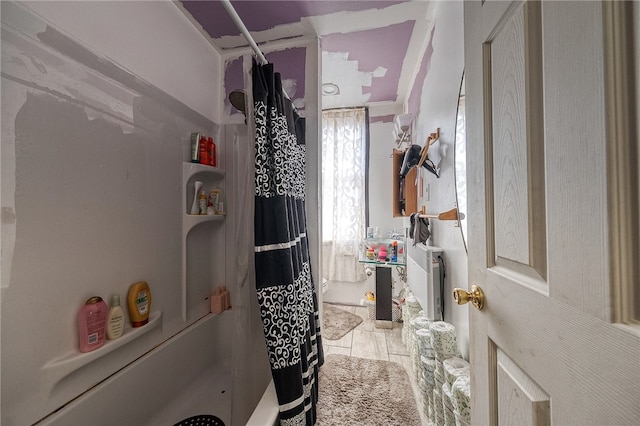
x,y
460,160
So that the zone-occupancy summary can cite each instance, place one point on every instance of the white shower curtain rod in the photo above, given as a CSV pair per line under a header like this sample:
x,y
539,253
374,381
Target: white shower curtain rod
x,y
247,35
243,29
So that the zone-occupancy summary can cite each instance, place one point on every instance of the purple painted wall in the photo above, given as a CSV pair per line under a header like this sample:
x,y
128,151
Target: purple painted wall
x,y
416,91
263,15
382,119
290,63
385,47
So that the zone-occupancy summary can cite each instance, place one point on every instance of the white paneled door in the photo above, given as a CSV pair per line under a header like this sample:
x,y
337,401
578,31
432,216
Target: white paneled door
x,y
552,155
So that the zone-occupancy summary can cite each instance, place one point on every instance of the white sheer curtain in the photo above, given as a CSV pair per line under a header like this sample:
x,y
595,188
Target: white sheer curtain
x,y
344,153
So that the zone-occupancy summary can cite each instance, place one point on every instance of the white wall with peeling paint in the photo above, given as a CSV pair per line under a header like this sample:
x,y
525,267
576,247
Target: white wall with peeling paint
x,y
438,106
154,40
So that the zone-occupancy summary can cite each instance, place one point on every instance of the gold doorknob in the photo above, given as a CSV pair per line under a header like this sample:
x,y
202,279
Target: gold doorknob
x,y
475,296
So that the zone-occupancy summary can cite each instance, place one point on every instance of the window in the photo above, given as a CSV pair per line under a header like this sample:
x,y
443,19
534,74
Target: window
x,y
345,146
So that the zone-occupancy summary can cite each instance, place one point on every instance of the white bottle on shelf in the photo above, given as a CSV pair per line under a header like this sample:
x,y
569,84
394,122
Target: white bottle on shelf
x,y
115,319
195,208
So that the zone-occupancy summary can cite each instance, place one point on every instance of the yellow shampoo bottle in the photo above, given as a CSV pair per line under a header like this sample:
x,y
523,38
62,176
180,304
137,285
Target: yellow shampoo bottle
x,y
139,302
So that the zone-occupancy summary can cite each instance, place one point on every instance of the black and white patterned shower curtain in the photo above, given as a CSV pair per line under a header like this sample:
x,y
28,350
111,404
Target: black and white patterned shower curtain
x,y
286,294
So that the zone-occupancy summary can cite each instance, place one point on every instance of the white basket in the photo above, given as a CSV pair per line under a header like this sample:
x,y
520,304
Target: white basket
x,y
396,313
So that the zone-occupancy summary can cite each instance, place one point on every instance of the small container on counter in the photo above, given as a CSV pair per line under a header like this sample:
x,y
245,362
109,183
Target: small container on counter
x,y
92,320
371,253
382,253
394,251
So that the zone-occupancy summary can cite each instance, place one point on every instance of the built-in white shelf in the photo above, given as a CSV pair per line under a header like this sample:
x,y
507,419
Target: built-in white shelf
x,y
64,365
211,177
191,169
191,220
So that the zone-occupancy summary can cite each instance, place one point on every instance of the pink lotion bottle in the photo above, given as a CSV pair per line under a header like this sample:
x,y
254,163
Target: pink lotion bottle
x,y
92,322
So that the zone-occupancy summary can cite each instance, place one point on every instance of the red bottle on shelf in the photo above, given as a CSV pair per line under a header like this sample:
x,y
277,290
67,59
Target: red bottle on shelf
x,y
204,151
212,151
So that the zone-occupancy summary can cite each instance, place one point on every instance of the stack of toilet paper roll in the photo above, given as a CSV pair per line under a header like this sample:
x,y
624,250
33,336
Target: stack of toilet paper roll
x,y
454,368
443,343
427,382
420,341
419,348
436,407
417,323
437,365
447,406
410,309
461,399
429,367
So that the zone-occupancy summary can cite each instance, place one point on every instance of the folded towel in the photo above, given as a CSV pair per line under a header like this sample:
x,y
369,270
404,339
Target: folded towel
x,y
419,229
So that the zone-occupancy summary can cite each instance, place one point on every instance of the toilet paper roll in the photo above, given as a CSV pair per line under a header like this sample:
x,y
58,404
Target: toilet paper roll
x,y
422,322
429,380
422,384
455,367
428,377
461,397
438,373
449,417
405,317
432,409
425,410
438,385
428,364
432,418
427,400
415,309
443,337
429,353
437,406
459,420
423,336
423,341
412,302
430,387
412,313
418,322
446,397
440,357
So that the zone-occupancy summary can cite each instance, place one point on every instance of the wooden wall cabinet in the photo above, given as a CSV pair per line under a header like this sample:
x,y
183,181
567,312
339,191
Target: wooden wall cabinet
x,y
405,194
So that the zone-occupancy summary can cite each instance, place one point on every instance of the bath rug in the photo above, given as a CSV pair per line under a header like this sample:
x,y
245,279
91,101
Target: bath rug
x,y
337,322
358,391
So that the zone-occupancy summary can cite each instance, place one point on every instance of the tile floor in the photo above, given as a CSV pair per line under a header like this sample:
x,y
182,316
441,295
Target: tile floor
x,y
367,341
